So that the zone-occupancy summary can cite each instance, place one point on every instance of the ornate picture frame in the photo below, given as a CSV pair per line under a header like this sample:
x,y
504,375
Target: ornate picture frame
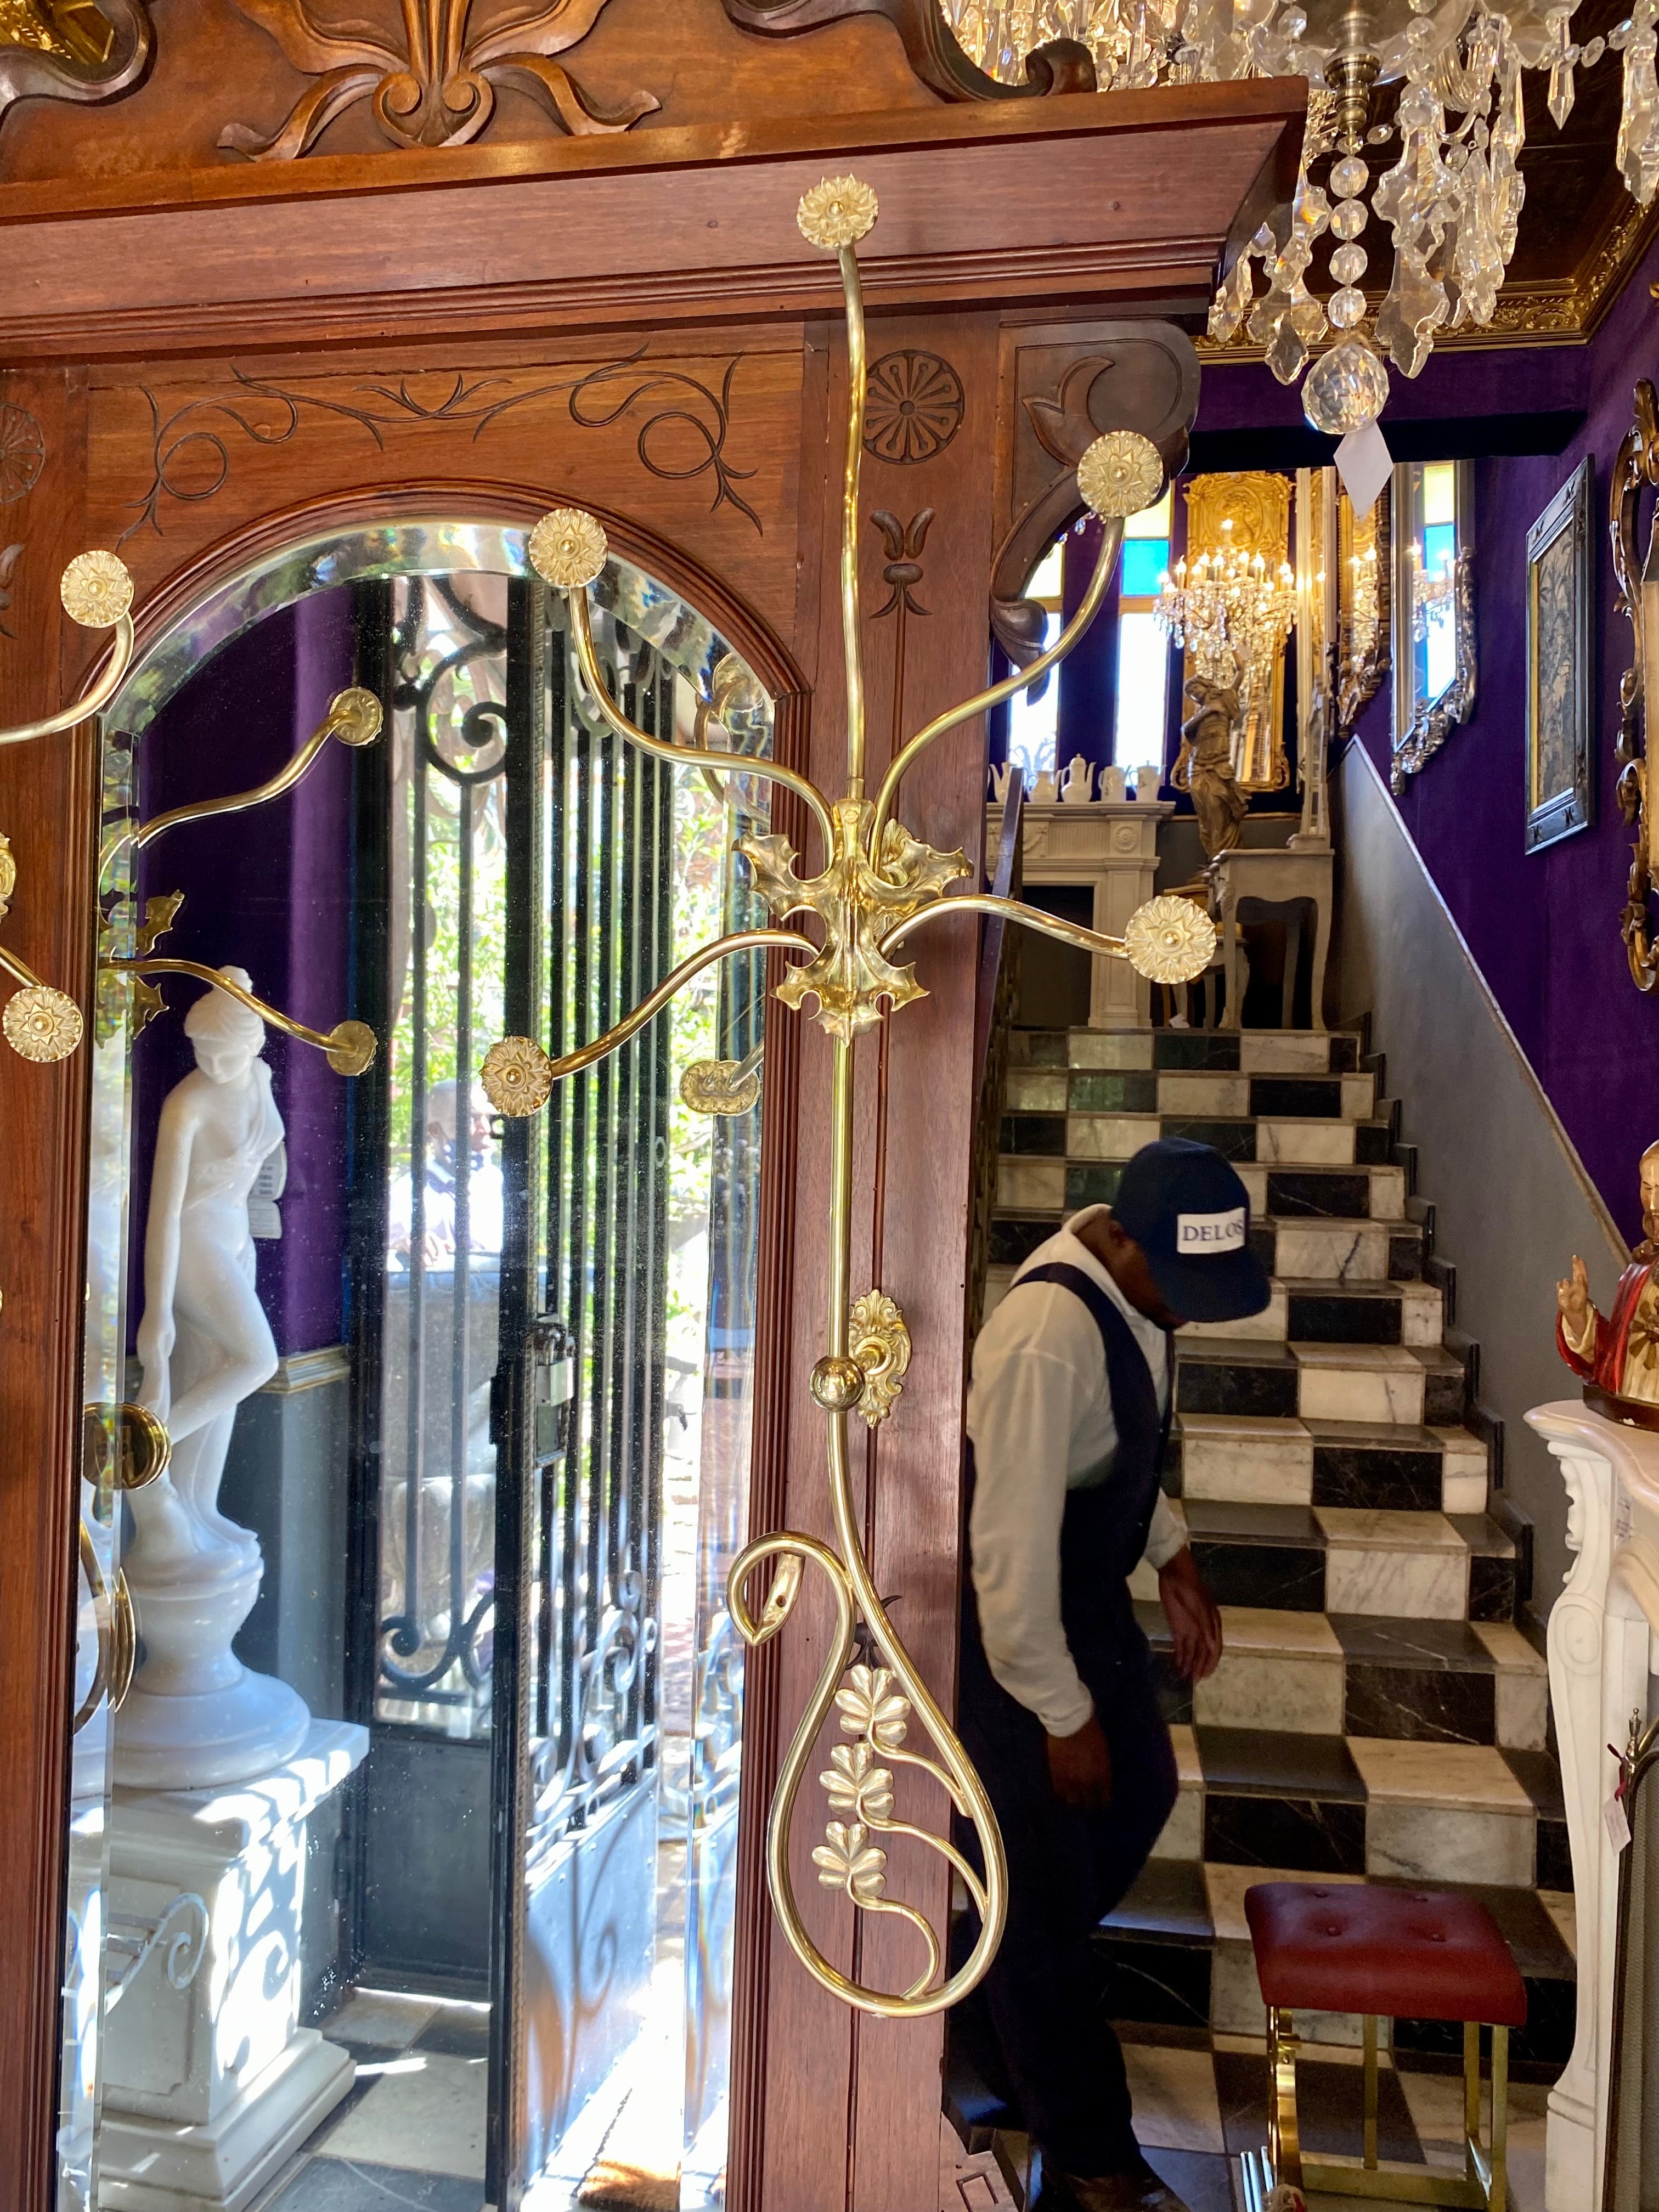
x,y
1430,594
1364,602
1560,662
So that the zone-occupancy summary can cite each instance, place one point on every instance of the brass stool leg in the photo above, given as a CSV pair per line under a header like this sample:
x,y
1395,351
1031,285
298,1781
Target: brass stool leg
x,y
1497,2196
1370,2092
1471,2096
1284,2140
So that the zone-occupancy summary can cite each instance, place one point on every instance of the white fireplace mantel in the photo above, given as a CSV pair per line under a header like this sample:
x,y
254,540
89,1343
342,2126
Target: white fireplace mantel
x,y
1603,1644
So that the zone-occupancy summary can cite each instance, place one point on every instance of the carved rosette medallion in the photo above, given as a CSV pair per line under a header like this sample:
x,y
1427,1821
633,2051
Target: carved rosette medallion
x,y
517,1076
914,409
22,453
41,1023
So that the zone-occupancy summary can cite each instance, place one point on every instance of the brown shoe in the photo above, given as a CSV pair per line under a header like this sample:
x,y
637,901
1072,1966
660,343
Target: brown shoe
x,y
1139,2191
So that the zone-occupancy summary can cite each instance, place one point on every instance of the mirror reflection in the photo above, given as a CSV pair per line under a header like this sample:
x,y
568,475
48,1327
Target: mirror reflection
x,y
405,1868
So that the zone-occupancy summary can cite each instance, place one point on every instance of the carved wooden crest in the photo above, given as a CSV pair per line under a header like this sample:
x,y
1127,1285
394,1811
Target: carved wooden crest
x,y
83,50
433,81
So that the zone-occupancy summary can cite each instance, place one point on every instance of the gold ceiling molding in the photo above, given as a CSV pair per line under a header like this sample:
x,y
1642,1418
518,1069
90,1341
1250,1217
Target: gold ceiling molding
x,y
1563,312
79,50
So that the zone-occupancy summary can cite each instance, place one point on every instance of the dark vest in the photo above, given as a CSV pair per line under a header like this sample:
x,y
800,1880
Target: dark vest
x,y
1103,1533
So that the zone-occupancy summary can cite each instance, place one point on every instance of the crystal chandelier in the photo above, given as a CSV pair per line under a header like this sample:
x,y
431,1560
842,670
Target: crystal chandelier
x,y
1232,613
1431,93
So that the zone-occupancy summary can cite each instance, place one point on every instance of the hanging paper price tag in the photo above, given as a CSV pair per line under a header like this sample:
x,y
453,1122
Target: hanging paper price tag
x,y
1617,1822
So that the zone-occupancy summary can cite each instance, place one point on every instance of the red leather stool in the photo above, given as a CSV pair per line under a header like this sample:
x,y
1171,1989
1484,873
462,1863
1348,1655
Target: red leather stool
x,y
1388,1954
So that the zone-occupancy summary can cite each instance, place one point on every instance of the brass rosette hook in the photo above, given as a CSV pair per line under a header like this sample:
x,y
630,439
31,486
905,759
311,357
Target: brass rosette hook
x,y
41,1023
878,884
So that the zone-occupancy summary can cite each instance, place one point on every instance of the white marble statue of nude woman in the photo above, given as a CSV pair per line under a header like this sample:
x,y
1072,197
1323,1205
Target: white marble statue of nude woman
x,y
204,1341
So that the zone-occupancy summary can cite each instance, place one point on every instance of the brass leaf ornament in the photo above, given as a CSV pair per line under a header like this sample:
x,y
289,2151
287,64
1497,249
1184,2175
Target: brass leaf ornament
x,y
517,1076
1120,474
881,1346
96,590
41,1023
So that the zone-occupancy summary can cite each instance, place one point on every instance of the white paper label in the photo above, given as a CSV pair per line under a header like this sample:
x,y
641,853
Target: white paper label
x,y
1210,1232
1617,1824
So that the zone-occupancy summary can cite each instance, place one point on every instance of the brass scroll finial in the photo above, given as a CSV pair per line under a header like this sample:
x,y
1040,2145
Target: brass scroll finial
x,y
878,884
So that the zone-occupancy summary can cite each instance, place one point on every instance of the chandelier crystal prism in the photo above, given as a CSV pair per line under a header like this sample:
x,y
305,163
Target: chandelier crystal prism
x,y
1415,128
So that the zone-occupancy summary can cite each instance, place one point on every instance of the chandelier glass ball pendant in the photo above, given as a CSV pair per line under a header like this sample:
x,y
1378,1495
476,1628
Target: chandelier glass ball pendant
x,y
1415,126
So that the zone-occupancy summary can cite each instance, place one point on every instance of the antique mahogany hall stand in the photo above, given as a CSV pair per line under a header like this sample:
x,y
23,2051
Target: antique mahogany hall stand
x,y
157,295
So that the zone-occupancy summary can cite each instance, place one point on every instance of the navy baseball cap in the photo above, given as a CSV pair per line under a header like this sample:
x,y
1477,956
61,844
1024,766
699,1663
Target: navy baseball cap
x,y
1190,1214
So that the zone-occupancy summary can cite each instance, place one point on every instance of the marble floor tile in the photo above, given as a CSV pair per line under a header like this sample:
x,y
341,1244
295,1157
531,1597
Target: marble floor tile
x,y
427,2116
1422,1313
1255,1180
1359,1097
1182,1836
1288,1664
1408,1585
1182,1093
1387,1194
1359,1528
1359,1382
1430,1843
1305,1144
1108,1091
1331,1251
1174,2098
382,2016
1562,1907
1422,1705
1109,1136
1469,1776
1271,1634
1037,1047
1260,1460
335,2185
1236,1378
1284,1051
1131,1048
1269,1325
1226,1885
1235,2007
1037,1184
1523,1686
1036,1091
1200,2179
1316,1835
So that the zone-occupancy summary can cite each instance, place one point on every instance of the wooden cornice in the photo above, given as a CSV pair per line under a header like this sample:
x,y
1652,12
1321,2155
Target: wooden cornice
x,y
1127,198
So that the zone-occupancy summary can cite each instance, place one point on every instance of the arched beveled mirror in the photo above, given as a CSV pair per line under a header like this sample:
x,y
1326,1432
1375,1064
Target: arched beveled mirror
x,y
404,1872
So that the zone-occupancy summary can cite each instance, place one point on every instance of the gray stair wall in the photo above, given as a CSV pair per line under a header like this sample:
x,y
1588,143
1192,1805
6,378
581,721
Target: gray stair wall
x,y
1512,1199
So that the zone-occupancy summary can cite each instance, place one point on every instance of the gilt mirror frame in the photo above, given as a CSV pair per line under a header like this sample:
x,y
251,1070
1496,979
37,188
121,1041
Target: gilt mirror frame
x,y
1422,723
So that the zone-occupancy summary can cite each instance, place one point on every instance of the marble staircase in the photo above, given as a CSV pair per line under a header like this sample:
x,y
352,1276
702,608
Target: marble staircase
x,y
1377,1713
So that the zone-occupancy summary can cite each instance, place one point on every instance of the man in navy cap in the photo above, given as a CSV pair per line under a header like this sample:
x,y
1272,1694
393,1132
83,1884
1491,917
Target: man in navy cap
x,y
1067,1417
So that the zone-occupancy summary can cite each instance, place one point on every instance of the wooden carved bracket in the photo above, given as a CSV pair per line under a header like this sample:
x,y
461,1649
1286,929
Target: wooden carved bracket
x,y
71,48
1634,472
1128,376
930,45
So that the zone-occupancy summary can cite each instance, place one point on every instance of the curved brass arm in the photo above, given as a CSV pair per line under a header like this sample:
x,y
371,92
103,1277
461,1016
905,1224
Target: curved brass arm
x,y
354,716
518,1075
1111,540
350,1046
665,748
19,972
104,1622
97,593
1068,932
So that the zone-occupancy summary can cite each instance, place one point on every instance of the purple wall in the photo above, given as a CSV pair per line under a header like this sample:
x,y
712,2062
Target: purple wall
x,y
1544,928
269,891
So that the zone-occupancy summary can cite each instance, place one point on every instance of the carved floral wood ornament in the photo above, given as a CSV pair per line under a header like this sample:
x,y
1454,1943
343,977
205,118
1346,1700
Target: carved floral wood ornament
x,y
435,84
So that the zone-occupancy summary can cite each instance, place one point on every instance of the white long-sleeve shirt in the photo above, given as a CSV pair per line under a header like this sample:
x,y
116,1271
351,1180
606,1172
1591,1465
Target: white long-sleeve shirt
x,y
1040,1418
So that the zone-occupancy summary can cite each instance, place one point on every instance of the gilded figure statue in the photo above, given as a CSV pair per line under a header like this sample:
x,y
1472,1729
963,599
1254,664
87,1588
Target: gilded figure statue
x,y
72,30
1205,767
1619,1352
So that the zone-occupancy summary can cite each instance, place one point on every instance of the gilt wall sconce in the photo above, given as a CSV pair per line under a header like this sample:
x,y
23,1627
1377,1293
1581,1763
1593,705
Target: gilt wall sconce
x,y
877,885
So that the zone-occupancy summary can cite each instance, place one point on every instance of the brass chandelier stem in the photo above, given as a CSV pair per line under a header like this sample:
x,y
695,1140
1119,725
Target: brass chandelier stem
x,y
857,378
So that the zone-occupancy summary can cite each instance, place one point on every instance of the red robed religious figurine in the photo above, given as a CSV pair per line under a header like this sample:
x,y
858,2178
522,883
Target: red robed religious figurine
x,y
1619,1354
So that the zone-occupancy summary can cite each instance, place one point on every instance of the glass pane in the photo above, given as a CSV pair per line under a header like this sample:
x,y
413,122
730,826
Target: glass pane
x,y
1045,583
1143,677
1033,724
405,1873
1439,492
1151,522
1145,563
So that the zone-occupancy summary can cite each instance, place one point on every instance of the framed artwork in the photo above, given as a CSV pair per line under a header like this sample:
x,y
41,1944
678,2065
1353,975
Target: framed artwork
x,y
1433,612
1561,583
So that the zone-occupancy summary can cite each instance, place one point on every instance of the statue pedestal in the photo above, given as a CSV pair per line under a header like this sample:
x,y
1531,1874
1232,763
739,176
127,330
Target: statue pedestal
x,y
196,1718
210,2081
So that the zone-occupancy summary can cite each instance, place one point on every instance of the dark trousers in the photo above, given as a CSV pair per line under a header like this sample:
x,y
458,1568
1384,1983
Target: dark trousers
x,y
1036,2030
